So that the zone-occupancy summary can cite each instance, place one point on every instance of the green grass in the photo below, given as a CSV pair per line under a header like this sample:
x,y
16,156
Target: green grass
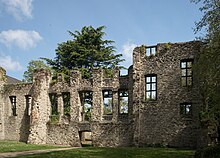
x,y
91,152
13,146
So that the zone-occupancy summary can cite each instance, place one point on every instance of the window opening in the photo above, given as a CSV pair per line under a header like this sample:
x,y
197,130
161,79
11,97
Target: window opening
x,y
13,105
151,87
87,105
123,101
151,50
28,104
107,100
66,103
54,103
186,109
186,72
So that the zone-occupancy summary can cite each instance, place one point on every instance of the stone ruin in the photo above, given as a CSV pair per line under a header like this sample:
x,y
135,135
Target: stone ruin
x,y
156,104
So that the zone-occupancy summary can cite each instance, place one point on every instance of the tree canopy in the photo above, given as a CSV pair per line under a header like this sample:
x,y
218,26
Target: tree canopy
x,y
85,51
32,65
208,65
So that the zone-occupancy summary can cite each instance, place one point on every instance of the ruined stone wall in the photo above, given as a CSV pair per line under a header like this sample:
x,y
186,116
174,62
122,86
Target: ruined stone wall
x,y
148,122
40,109
160,121
113,131
17,124
112,134
63,134
2,83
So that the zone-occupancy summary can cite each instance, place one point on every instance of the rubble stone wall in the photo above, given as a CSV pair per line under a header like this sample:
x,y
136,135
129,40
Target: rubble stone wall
x,y
2,83
16,126
63,134
160,121
148,122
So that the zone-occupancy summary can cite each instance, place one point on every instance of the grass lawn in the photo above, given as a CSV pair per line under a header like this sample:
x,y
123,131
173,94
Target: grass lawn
x,y
91,152
12,146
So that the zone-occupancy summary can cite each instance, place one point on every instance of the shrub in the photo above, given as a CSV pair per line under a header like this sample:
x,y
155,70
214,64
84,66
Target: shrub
x,y
208,152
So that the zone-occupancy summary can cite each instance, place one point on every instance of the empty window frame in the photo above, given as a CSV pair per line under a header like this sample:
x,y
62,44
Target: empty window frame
x,y
86,97
186,72
123,101
107,101
66,103
186,109
13,105
28,104
151,87
54,103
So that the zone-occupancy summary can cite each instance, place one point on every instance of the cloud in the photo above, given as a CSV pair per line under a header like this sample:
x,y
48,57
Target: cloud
x,y
19,8
21,38
7,63
127,52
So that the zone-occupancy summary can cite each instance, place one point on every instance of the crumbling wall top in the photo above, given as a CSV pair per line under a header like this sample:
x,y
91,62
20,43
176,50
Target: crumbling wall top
x,y
3,74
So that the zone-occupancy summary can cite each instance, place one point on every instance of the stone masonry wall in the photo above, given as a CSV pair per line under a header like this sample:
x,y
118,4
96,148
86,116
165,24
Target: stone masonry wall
x,y
40,110
160,121
2,83
148,122
112,134
17,126
63,134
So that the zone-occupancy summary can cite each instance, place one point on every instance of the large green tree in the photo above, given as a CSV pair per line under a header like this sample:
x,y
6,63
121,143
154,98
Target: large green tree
x,y
86,50
208,65
32,65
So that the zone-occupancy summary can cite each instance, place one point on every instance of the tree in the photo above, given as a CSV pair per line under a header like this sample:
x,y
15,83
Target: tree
x,y
85,51
208,65
32,65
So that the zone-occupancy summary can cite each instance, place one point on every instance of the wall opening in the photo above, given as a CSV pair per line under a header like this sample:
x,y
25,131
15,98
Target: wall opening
x,y
66,103
13,105
123,102
85,138
186,72
107,101
186,109
54,107
86,102
151,87
151,50
28,105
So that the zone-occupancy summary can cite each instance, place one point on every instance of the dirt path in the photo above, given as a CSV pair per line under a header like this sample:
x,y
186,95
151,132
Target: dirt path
x,y
22,153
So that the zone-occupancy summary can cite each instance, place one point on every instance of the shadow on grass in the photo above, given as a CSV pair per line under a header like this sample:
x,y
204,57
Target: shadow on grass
x,y
91,152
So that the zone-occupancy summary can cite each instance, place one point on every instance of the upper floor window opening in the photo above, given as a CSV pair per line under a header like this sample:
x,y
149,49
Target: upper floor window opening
x,y
186,109
66,103
86,102
28,104
186,72
54,103
107,101
151,50
13,105
123,101
151,87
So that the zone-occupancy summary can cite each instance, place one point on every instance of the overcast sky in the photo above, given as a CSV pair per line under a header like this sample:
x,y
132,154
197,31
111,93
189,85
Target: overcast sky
x,y
30,29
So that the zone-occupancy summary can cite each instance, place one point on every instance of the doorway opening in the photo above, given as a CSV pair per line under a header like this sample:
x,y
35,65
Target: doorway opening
x,y
85,138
